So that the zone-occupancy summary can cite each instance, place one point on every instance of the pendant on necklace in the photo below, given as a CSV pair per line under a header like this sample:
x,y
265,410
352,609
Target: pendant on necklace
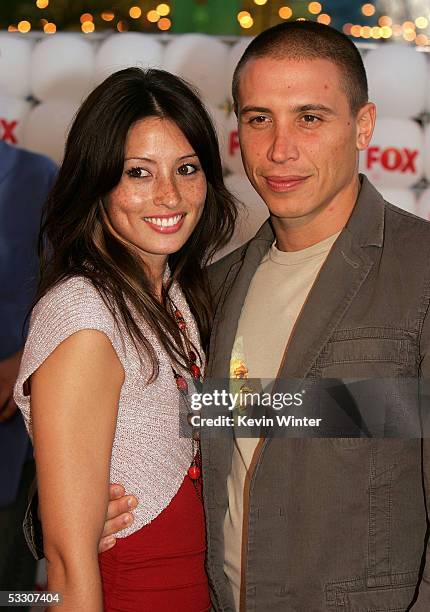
x,y
181,383
194,472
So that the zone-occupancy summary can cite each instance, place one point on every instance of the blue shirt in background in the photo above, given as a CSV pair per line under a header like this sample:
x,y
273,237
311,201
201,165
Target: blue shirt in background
x,y
25,181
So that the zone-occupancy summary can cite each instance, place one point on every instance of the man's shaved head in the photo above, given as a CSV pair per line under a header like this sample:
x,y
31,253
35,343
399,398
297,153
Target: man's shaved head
x,y
307,40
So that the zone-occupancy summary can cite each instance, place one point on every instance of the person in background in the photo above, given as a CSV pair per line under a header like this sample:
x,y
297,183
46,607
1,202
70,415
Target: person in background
x,y
25,180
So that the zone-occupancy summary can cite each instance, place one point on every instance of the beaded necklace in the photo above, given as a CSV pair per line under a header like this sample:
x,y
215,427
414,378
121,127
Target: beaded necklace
x,y
194,471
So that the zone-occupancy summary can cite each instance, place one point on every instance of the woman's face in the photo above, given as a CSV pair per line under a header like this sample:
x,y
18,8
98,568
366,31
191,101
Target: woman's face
x,y
160,197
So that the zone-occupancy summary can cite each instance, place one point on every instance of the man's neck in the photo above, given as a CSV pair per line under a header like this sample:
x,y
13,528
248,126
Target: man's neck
x,y
300,233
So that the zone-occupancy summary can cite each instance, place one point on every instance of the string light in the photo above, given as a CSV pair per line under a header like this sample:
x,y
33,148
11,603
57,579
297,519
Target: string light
x,y
314,8
285,12
386,32
135,12
50,28
87,27
385,21
409,28
409,35
164,24
246,22
86,17
243,14
421,40
152,16
385,28
368,9
24,27
421,22
163,9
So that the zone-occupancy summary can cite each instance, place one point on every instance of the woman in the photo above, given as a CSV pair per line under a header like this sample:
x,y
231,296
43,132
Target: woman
x,y
121,321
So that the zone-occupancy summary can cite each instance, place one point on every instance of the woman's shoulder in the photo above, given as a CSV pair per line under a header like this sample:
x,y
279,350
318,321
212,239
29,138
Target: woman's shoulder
x,y
73,302
75,293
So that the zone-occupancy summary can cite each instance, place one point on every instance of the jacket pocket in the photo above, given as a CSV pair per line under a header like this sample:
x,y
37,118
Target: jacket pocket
x,y
368,352
393,593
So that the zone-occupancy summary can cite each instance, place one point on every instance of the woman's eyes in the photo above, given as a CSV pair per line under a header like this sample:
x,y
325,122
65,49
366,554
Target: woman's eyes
x,y
137,172
187,169
183,170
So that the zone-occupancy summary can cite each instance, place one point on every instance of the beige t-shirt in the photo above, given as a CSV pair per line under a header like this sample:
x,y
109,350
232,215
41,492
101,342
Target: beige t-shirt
x,y
275,298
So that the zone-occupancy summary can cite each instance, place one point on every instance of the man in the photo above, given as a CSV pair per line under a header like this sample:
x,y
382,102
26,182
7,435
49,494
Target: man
x,y
336,285
25,179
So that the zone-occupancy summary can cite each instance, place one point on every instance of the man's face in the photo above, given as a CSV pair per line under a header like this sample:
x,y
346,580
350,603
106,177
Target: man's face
x,y
298,137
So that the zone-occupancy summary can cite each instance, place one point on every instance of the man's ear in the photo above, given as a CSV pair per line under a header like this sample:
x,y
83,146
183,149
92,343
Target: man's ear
x,y
365,122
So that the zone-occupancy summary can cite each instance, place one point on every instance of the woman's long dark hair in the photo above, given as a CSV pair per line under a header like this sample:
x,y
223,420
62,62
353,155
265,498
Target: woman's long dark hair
x,y
75,237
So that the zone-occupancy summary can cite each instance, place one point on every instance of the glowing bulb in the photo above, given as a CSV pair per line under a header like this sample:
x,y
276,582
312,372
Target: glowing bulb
x,y
368,10
260,2
421,22
50,28
314,8
421,40
285,12
87,27
246,22
385,21
24,27
163,9
152,16
42,3
386,32
366,32
108,16
164,24
86,17
135,12
409,35
324,18
408,26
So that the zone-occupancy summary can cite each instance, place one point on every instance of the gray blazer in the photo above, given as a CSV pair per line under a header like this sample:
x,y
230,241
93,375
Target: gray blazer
x,y
333,524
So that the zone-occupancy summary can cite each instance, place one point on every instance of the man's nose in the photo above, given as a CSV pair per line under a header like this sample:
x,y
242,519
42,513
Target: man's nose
x,y
166,192
283,146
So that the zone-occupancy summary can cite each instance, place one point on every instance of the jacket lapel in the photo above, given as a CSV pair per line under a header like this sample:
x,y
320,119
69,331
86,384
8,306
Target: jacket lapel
x,y
341,276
